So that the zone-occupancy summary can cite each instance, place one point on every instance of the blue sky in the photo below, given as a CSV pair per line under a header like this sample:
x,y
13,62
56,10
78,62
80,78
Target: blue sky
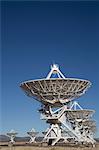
x,y
36,34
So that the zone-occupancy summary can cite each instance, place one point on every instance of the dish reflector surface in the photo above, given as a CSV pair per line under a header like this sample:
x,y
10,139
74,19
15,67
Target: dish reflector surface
x,y
55,90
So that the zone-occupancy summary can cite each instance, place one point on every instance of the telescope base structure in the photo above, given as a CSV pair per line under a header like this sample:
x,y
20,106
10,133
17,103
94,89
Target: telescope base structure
x,y
32,135
32,140
69,125
12,139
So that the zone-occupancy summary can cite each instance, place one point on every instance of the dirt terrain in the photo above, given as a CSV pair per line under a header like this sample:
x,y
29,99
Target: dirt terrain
x,y
48,148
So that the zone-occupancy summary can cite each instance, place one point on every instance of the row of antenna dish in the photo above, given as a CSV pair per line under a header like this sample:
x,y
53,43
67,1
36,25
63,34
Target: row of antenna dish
x,y
32,134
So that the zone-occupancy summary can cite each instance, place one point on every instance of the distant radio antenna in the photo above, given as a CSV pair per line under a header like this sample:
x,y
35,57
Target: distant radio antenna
x,y
32,135
12,134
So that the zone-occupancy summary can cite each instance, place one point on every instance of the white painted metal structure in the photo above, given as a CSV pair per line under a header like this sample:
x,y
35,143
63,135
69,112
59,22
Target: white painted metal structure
x,y
67,119
12,134
32,135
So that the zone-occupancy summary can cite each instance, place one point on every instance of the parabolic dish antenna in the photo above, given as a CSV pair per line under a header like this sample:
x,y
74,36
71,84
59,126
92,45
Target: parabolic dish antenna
x,y
12,134
77,114
56,90
32,133
56,93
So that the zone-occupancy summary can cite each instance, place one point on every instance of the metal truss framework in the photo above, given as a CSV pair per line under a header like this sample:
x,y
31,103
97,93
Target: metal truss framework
x,y
66,124
67,119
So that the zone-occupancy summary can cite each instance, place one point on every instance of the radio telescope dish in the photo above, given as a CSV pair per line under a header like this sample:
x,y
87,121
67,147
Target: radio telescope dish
x,y
56,93
12,134
32,135
79,114
88,123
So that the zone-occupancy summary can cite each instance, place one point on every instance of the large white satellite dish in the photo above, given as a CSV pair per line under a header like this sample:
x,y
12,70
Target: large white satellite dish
x,y
57,93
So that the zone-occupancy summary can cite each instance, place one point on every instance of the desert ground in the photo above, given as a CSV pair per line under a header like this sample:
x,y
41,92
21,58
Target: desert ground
x,y
48,148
